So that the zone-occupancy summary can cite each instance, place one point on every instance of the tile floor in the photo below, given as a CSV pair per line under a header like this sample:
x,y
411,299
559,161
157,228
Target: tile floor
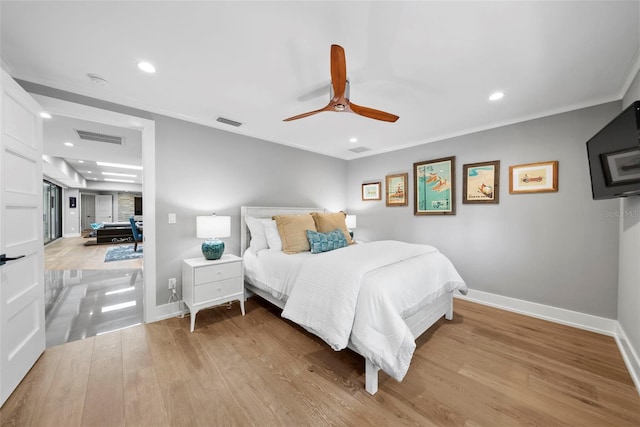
x,y
84,303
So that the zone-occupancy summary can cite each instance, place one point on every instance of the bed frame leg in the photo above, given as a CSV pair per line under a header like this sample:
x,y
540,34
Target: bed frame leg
x,y
449,314
370,377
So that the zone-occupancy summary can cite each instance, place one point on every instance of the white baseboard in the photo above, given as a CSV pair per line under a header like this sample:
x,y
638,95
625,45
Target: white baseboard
x,y
576,319
545,312
169,310
630,356
69,235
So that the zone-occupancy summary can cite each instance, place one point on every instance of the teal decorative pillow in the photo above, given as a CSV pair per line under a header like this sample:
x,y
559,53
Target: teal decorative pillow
x,y
324,242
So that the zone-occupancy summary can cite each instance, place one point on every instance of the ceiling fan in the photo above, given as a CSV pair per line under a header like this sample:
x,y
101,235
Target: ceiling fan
x,y
339,101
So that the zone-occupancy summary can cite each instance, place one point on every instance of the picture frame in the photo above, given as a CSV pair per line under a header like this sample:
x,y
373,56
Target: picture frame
x,y
481,182
396,189
371,191
434,187
621,167
541,177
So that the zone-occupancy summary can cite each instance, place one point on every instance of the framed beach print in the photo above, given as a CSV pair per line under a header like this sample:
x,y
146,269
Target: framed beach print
x,y
434,187
533,178
371,191
396,189
481,182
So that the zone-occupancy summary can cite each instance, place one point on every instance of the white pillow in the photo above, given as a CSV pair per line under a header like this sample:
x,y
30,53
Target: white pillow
x,y
273,237
258,236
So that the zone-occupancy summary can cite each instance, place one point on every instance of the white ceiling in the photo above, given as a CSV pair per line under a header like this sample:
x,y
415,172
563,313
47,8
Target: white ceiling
x,y
84,154
432,63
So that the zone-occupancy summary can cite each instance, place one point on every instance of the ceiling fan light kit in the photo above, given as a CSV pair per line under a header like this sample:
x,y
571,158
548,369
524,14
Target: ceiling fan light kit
x,y
339,101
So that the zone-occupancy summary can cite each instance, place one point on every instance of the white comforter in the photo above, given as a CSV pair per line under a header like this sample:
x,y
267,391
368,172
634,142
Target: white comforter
x,y
362,292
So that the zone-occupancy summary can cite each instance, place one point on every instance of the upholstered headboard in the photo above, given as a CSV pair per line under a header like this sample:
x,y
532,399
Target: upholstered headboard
x,y
265,212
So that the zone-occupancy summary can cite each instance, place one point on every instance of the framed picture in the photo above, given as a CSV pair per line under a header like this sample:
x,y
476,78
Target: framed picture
x,y
481,182
434,187
396,189
371,191
533,178
621,167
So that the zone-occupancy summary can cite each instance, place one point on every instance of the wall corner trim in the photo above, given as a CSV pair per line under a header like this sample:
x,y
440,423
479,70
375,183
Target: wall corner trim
x,y
630,356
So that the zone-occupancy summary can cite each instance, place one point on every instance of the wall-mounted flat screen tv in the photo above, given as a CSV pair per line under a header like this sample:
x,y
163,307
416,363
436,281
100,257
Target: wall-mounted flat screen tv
x,y
614,156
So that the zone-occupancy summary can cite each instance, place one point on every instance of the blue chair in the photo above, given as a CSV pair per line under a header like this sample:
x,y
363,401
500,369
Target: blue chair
x,y
137,236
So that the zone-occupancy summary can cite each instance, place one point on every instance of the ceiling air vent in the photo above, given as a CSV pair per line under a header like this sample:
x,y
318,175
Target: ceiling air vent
x,y
228,122
100,137
359,149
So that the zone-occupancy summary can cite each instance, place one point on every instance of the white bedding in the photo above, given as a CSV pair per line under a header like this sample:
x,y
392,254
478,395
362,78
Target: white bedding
x,y
273,271
367,289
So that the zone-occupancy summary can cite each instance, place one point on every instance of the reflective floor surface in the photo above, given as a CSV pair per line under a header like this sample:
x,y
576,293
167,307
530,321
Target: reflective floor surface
x,y
84,303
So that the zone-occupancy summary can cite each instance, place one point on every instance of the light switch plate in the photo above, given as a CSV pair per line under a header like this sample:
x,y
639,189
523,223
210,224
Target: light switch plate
x,y
172,218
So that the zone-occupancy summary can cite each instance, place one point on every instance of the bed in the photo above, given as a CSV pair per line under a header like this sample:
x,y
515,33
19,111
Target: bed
x,y
378,304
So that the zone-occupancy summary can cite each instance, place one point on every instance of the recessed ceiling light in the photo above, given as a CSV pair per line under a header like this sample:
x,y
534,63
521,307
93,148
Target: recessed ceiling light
x,y
80,161
89,172
45,115
353,140
69,144
147,67
119,165
119,174
495,96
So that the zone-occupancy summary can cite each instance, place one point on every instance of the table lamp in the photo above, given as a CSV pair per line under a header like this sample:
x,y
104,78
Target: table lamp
x,y
213,227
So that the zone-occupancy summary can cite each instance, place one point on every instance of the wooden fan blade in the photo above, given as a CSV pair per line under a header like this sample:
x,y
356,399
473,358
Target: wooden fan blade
x,y
373,114
338,71
310,113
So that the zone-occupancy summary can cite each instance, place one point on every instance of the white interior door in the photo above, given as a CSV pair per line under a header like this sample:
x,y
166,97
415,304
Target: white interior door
x,y
104,208
22,326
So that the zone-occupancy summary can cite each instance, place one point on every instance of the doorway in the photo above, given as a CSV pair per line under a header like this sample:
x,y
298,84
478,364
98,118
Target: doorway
x,y
51,211
87,210
147,129
104,208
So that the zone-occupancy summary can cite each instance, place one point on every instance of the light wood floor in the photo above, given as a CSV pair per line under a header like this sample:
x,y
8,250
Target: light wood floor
x,y
70,253
485,368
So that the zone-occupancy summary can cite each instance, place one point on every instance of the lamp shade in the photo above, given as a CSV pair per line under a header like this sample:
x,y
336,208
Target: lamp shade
x,y
213,226
350,220
210,228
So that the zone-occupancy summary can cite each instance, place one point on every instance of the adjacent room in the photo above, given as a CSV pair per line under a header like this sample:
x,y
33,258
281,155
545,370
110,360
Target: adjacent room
x,y
344,213
93,260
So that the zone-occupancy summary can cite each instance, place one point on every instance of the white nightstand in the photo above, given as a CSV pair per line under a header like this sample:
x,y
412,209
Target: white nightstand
x,y
209,283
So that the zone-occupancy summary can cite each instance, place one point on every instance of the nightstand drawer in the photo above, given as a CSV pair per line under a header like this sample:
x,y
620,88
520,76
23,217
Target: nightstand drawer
x,y
218,272
218,289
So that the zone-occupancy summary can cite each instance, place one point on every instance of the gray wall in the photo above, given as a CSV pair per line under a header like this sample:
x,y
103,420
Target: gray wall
x,y
201,170
558,249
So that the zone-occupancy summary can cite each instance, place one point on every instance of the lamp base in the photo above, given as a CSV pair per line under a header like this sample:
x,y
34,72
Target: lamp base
x,y
212,249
